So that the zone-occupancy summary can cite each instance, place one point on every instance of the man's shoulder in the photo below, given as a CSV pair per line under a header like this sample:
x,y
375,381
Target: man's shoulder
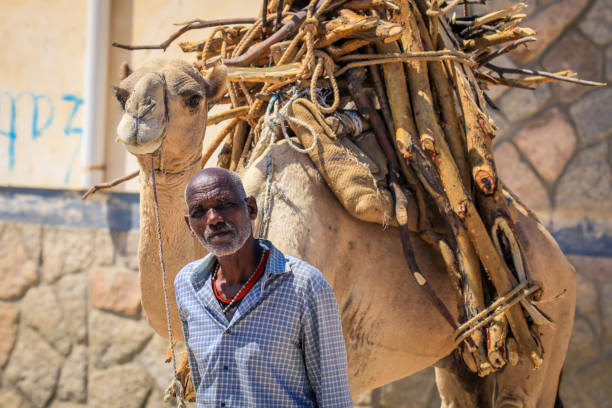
x,y
187,272
305,275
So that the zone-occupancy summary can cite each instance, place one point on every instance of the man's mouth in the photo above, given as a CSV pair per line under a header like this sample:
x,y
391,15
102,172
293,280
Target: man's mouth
x,y
220,234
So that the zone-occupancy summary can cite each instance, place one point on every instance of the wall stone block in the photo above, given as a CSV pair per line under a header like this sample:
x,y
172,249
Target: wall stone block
x,y
593,267
584,345
609,64
548,23
10,399
587,181
114,339
412,392
18,271
152,357
66,251
65,404
9,323
42,311
124,386
104,252
156,400
519,177
597,23
72,293
606,311
72,384
548,141
519,104
115,289
586,295
592,115
596,382
576,53
34,368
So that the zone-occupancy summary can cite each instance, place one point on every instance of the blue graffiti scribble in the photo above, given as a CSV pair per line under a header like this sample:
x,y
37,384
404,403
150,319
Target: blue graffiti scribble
x,y
11,133
68,130
36,130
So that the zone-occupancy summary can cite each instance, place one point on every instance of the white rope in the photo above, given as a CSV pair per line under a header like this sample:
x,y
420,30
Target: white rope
x,y
275,117
355,121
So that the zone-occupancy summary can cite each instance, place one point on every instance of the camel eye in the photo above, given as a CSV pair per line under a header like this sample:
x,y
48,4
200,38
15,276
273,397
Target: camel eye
x,y
193,101
122,96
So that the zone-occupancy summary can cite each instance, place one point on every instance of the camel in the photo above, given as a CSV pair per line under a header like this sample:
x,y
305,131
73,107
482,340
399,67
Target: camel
x,y
390,328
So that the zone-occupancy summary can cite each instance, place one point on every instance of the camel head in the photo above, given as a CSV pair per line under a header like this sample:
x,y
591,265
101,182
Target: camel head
x,y
165,104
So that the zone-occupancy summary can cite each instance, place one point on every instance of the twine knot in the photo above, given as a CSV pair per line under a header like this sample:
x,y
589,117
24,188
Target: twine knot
x,y
176,390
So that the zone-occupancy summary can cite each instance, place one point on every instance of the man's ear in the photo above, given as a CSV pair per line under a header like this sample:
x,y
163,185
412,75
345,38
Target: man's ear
x,y
189,226
252,207
215,83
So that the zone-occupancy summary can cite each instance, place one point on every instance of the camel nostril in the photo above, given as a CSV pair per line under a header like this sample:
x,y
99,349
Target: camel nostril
x,y
146,107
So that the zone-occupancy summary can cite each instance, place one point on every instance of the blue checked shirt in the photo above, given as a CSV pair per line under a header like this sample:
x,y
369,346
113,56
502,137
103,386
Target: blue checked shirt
x,y
282,348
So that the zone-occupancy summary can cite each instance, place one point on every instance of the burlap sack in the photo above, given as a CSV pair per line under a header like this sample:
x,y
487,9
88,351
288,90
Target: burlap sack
x,y
356,180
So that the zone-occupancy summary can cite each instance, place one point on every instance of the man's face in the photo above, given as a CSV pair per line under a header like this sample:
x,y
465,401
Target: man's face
x,y
218,217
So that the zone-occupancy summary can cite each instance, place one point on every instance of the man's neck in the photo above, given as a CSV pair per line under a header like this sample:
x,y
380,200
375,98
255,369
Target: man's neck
x,y
237,268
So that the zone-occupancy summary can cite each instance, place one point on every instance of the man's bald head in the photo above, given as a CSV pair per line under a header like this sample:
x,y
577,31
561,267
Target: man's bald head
x,y
216,175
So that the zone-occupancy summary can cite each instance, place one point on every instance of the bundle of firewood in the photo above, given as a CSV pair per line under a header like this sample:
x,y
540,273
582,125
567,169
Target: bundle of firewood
x,y
414,71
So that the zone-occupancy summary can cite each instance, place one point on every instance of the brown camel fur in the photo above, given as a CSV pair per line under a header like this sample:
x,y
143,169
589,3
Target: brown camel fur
x,y
391,329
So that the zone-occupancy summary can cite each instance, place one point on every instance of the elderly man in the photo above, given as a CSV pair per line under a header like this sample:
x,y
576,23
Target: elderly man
x,y
262,328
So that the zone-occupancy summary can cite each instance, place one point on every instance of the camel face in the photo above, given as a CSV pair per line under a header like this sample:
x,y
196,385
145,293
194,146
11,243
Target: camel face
x,y
166,104
143,126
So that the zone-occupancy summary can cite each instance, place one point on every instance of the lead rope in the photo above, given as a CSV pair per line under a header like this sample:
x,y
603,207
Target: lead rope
x,y
176,387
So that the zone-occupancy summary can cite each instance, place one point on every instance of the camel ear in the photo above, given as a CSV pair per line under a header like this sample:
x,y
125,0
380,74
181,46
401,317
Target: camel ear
x,y
216,83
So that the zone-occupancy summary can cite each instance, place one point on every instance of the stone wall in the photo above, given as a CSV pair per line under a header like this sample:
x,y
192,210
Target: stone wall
x,y
71,327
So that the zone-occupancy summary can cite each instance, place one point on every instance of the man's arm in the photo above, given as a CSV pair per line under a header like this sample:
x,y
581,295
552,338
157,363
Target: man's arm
x,y
193,366
323,346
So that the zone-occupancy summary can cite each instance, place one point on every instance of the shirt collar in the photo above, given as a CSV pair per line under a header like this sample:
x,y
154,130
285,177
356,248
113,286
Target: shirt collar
x,y
277,265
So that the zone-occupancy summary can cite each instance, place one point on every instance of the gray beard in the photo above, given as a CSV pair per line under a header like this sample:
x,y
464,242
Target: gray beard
x,y
241,236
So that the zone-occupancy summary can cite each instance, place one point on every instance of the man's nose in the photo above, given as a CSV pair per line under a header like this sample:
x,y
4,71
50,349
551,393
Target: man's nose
x,y
213,217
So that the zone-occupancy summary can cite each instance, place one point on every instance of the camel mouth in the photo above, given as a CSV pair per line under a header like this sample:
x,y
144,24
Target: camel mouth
x,y
148,147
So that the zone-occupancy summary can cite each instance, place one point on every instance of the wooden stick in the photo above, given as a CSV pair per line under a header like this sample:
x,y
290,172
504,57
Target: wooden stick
x,y
446,101
370,4
195,24
217,141
479,141
343,27
502,50
109,184
240,133
346,48
265,45
274,74
228,114
488,40
405,58
498,14
544,74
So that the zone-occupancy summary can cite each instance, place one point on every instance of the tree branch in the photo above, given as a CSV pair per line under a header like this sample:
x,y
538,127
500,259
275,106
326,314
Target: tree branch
x,y
190,25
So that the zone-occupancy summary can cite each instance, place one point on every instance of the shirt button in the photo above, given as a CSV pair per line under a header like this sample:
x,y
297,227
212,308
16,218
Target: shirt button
x,y
228,331
223,404
225,368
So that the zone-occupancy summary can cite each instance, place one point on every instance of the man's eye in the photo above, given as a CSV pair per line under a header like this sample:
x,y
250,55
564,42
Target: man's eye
x,y
198,213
